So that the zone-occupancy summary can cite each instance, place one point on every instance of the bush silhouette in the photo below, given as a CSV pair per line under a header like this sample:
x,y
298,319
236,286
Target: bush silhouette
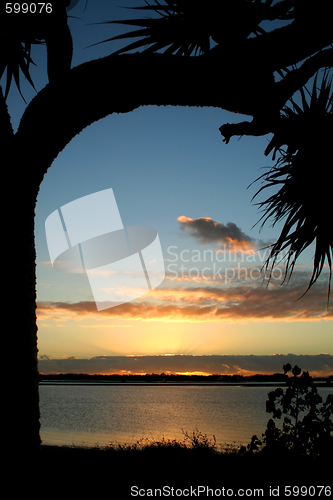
x,y
307,422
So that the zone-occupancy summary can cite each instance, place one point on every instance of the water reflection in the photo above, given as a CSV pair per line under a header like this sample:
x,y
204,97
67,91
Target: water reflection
x,y
93,415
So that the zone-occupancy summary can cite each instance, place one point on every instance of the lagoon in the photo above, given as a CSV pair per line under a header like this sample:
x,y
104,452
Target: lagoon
x,y
90,415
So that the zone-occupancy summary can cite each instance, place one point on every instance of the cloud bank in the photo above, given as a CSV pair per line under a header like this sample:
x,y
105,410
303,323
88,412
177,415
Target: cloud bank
x,y
317,365
206,303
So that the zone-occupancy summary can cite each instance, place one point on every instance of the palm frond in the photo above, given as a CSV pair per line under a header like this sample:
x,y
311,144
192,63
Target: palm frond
x,y
190,27
302,175
15,56
15,48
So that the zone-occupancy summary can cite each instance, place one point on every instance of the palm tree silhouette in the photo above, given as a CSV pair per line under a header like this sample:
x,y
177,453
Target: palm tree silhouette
x,y
188,27
16,47
301,173
185,28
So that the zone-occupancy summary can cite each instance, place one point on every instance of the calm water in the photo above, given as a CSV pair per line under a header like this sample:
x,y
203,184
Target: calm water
x,y
93,415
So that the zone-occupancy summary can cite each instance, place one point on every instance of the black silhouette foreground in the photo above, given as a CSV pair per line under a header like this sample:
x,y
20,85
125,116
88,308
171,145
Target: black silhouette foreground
x,y
307,429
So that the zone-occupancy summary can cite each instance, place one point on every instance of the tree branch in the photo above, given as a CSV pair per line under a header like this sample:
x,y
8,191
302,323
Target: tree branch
x,y
7,132
255,128
119,84
240,81
283,90
280,10
297,78
291,44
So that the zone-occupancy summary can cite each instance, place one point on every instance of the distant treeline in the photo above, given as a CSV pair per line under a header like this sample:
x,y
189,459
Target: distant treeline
x,y
167,377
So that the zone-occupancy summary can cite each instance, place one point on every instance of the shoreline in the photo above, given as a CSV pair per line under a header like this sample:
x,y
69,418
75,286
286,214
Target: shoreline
x,y
171,384
224,384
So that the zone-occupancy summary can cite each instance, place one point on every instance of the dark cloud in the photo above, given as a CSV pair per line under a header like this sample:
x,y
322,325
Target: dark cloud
x,y
321,364
207,230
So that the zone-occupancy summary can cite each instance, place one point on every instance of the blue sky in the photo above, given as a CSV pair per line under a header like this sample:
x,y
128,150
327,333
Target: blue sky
x,y
164,163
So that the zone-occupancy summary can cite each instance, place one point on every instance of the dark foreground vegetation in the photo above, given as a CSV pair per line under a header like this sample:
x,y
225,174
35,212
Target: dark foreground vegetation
x,y
113,471
292,458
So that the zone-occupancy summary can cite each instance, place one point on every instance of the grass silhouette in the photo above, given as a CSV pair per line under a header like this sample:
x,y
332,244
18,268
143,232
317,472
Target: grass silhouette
x,y
148,464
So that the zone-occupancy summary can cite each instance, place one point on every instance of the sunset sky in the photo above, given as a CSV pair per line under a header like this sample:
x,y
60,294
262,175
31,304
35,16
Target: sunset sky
x,y
170,170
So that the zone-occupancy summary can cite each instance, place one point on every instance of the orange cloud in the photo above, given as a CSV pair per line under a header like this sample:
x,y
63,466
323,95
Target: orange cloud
x,y
210,303
207,230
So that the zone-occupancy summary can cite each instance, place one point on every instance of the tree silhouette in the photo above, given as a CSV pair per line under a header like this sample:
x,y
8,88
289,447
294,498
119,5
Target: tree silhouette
x,y
185,28
303,199
307,423
218,54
